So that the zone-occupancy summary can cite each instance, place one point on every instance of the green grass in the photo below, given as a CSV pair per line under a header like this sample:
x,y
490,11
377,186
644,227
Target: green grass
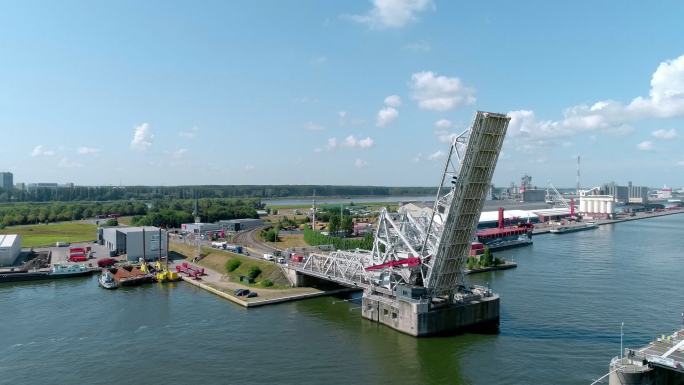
x,y
47,235
217,260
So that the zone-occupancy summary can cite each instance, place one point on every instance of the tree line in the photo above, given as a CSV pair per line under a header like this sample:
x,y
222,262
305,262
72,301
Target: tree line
x,y
23,214
171,213
161,212
115,193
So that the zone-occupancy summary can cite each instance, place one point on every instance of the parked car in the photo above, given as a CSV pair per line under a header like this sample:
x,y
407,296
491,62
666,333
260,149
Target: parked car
x,y
62,244
241,292
281,260
251,294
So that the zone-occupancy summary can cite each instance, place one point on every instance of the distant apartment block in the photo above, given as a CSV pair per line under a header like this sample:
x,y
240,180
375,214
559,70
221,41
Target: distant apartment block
x,y
6,180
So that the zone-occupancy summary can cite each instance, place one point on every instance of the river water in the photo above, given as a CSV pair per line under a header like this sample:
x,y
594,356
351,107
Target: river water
x,y
561,314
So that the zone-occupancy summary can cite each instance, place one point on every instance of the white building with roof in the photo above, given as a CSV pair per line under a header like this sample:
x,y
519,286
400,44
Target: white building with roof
x,y
10,247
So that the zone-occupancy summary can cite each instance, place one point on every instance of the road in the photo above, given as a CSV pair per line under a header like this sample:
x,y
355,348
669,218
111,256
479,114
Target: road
x,y
248,239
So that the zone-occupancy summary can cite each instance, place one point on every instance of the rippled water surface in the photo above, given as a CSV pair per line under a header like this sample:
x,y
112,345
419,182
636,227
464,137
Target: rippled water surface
x,y
561,314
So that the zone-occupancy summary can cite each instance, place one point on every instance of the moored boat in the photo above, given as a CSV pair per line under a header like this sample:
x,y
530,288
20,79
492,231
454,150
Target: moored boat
x,y
130,275
106,280
57,271
570,229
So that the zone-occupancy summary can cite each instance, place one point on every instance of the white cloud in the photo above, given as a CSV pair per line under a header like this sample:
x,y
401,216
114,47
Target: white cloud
x,y
440,93
366,143
646,145
680,163
360,163
311,126
87,150
665,134
393,101
437,155
39,150
386,116
351,141
342,114
445,136
142,138
179,153
665,100
392,13
66,163
444,124
190,134
418,157
249,167
332,144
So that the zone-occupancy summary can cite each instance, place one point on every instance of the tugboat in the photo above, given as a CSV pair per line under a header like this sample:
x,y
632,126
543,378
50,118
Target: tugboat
x,y
107,280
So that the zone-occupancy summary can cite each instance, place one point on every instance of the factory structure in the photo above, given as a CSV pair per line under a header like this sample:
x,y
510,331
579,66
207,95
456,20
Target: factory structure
x,y
230,225
147,242
10,247
602,202
526,192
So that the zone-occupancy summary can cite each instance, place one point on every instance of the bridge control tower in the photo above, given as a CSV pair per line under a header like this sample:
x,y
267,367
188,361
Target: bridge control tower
x,y
413,278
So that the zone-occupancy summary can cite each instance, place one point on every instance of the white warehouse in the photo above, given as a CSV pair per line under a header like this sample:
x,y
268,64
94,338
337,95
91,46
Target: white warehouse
x,y
10,247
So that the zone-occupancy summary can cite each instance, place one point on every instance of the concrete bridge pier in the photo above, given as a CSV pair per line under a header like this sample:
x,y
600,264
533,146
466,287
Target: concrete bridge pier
x,y
421,317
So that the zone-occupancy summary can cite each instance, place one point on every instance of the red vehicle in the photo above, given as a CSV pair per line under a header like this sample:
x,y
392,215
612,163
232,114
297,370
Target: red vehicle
x,y
106,262
78,258
297,258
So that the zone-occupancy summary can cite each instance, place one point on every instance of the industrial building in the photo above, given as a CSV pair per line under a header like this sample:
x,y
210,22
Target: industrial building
x,y
490,219
200,228
222,225
240,224
6,180
594,205
10,247
146,242
637,194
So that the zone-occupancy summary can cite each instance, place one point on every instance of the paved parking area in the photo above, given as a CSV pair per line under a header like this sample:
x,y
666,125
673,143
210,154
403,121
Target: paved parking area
x,y
61,254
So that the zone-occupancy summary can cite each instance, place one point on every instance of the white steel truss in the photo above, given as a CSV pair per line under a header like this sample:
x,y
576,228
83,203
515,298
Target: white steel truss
x,y
440,240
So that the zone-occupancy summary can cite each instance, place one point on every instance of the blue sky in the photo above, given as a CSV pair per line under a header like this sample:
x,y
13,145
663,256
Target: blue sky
x,y
337,92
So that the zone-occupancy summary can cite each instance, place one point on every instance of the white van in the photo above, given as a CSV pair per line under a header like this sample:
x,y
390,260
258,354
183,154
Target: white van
x,y
269,257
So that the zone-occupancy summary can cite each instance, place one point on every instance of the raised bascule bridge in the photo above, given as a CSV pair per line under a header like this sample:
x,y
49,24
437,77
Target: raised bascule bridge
x,y
413,279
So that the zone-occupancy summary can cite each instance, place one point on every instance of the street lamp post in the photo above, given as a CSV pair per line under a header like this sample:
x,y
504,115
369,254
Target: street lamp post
x,y
622,325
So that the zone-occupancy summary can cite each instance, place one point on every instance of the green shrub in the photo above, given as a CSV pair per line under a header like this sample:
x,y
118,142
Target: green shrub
x,y
254,272
266,283
233,264
112,222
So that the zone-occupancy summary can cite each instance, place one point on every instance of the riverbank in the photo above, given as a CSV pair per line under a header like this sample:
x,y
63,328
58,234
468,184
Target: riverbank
x,y
543,228
505,266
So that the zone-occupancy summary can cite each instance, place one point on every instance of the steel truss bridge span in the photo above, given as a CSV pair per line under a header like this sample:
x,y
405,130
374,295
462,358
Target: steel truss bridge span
x,y
427,250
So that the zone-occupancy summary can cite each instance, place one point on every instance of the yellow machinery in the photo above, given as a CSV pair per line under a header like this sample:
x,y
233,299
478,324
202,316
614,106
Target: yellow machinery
x,y
163,273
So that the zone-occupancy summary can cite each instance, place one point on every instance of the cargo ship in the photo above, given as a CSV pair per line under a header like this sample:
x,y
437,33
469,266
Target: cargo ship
x,y
571,229
57,271
505,237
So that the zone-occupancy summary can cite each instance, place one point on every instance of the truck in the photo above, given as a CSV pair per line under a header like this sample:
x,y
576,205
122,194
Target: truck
x,y
233,248
269,257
